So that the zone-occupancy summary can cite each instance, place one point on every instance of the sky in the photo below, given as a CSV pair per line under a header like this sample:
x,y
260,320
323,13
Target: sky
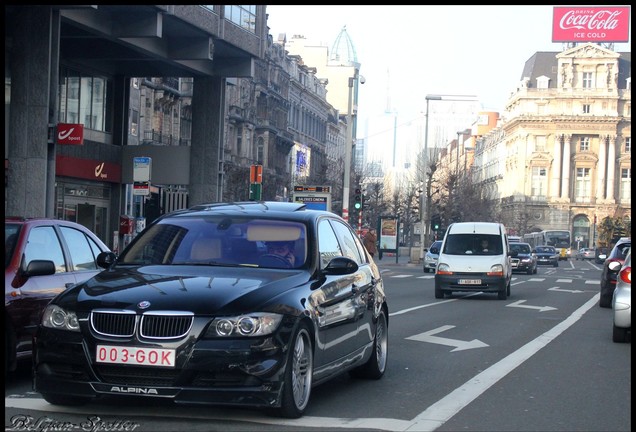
x,y
408,52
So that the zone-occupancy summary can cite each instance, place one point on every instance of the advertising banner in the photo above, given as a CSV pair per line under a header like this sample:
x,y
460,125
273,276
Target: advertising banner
x,y
590,24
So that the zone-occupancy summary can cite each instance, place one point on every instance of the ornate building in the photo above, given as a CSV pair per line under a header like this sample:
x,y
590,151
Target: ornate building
x,y
561,157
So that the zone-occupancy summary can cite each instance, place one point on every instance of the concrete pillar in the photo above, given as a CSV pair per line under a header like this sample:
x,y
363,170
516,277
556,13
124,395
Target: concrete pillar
x,y
28,148
208,111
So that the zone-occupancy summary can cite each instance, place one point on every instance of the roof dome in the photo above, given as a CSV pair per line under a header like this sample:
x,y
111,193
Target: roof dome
x,y
342,50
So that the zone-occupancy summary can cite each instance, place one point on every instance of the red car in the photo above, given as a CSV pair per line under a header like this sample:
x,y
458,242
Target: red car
x,y
42,258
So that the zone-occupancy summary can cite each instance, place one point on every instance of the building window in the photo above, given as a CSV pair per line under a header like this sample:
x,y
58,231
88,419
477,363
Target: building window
x,y
84,99
243,16
587,80
584,143
539,182
626,184
628,144
586,108
134,122
583,185
539,143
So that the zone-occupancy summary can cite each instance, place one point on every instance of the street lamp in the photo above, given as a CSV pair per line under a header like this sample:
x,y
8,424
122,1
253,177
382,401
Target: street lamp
x,y
349,146
425,201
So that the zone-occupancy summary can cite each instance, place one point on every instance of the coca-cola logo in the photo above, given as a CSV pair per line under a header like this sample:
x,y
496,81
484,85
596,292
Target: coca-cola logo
x,y
591,20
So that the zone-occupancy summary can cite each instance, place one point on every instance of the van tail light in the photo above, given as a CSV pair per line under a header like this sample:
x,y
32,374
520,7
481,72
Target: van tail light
x,y
626,275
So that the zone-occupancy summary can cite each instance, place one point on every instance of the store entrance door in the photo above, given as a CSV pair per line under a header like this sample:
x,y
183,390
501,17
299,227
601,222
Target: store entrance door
x,y
86,215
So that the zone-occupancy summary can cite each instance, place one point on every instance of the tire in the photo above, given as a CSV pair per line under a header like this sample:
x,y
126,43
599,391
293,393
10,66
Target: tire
x,y
530,271
376,365
298,375
425,270
619,334
508,290
439,293
605,302
501,294
56,399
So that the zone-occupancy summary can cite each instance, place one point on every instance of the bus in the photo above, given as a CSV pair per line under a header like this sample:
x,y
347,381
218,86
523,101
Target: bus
x,y
560,239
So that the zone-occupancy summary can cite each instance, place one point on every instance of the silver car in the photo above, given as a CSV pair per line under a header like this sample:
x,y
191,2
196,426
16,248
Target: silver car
x,y
622,302
431,257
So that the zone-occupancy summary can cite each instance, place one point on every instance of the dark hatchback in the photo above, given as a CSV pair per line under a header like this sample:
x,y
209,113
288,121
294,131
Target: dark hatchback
x,y
525,261
196,310
546,255
611,267
42,258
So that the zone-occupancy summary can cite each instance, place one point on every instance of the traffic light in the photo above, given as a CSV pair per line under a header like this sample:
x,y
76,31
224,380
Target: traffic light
x,y
435,222
357,199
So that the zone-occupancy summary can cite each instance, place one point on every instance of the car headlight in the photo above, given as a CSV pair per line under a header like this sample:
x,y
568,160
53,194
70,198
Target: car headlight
x,y
429,258
57,318
257,324
496,270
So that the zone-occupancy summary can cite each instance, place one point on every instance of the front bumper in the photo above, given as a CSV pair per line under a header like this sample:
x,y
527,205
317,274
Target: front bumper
x,y
222,372
457,282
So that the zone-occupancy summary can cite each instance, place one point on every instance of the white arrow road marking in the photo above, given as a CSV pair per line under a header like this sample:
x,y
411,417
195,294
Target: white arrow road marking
x,y
539,308
564,290
459,345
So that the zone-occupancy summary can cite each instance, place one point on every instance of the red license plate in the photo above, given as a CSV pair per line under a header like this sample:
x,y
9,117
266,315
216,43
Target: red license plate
x,y
135,356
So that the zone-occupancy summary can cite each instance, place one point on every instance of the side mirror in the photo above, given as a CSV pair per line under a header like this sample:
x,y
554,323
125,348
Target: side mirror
x,y
106,259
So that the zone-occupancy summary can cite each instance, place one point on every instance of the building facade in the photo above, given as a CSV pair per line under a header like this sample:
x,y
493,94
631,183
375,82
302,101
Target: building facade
x,y
561,157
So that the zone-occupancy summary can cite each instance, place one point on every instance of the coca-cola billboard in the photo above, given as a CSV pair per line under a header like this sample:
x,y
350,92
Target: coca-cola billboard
x,y
590,24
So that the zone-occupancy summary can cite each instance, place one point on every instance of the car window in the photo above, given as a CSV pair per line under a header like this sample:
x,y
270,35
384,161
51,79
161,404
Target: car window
x,y
11,232
328,245
43,244
473,244
520,248
348,240
82,255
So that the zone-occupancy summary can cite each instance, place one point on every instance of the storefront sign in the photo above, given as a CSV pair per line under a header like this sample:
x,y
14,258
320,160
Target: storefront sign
x,y
89,169
70,133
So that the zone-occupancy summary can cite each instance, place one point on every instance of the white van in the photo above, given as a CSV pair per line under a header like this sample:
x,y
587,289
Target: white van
x,y
474,257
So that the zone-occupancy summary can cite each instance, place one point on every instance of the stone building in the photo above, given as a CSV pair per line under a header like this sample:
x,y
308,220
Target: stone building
x,y
561,155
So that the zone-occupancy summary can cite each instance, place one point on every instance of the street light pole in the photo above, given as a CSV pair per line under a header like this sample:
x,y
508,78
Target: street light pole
x,y
426,200
348,150
425,196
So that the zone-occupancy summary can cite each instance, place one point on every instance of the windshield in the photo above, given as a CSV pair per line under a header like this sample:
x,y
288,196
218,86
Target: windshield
x,y
541,249
473,244
220,241
558,238
521,248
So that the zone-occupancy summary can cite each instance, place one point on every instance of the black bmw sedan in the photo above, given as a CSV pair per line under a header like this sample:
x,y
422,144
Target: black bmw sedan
x,y
249,304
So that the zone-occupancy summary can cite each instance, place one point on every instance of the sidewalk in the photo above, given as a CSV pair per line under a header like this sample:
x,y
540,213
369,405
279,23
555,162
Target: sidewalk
x,y
389,260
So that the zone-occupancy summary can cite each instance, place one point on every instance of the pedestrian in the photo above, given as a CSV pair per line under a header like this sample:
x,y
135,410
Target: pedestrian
x,y
370,239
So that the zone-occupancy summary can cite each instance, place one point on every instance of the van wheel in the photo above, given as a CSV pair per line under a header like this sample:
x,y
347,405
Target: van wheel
x,y
439,293
501,295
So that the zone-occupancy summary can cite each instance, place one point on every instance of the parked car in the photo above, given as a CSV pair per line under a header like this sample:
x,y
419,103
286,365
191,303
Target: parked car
x,y
611,267
184,315
546,255
42,258
600,255
431,256
585,253
525,261
622,302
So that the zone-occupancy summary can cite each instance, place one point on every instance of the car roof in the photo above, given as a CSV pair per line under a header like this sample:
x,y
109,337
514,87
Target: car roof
x,y
264,209
476,228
